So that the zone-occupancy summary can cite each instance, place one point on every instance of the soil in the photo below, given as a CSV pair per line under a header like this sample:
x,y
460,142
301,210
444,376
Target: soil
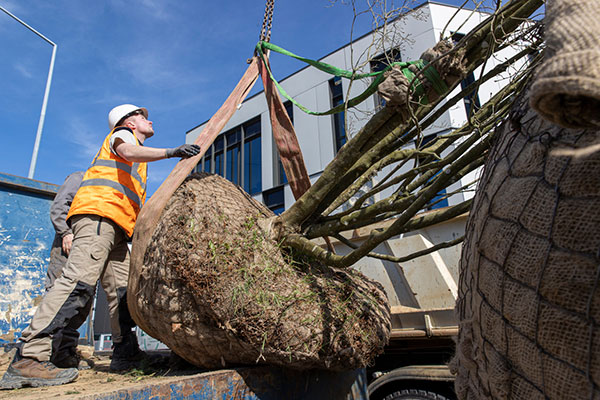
x,y
220,291
99,379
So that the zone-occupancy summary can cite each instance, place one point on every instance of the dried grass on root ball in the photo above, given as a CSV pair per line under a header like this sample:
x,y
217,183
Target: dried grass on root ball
x,y
218,291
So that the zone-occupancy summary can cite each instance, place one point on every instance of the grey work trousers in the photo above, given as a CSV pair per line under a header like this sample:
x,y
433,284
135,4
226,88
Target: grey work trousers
x,y
99,251
58,259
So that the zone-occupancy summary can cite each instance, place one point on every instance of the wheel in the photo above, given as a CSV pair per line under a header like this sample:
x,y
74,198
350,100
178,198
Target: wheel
x,y
414,394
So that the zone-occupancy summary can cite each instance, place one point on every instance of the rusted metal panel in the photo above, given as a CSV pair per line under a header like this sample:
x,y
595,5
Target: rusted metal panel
x,y
26,235
251,383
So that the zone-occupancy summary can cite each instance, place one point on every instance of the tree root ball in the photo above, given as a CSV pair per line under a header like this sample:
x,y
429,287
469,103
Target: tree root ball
x,y
528,301
219,292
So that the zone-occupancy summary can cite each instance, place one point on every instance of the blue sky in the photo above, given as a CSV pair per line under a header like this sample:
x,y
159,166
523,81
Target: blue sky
x,y
178,59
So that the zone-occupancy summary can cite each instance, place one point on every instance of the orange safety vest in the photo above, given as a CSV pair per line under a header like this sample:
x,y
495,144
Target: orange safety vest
x,y
112,187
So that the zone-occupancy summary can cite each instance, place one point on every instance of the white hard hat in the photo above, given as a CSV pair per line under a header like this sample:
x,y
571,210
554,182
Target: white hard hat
x,y
119,112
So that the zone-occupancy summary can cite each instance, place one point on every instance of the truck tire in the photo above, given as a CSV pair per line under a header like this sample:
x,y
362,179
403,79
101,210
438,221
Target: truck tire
x,y
414,394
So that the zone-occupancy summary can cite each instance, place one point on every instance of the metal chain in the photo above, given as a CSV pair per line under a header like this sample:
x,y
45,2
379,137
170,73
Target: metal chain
x,y
265,33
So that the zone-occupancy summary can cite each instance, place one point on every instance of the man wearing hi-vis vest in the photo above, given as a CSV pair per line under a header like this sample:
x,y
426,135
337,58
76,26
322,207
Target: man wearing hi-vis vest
x,y
102,217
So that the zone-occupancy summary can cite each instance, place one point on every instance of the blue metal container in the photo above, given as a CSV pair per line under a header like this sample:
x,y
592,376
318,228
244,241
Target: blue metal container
x,y
250,383
26,236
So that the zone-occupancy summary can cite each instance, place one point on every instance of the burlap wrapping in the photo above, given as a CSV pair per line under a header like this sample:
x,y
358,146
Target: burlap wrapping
x,y
219,292
449,65
529,291
394,88
566,90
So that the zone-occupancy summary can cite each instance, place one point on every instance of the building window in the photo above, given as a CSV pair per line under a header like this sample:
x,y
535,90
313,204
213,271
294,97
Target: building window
x,y
218,156
471,100
252,182
280,177
439,200
233,156
369,201
236,155
337,98
380,63
274,199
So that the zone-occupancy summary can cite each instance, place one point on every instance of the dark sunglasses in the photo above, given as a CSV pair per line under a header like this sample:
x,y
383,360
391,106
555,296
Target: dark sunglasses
x,y
131,114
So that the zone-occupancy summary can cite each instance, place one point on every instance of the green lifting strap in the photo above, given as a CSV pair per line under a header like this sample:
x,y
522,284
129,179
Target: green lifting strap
x,y
429,71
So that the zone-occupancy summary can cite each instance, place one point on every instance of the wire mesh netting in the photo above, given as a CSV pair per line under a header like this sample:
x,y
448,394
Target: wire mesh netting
x,y
219,292
529,302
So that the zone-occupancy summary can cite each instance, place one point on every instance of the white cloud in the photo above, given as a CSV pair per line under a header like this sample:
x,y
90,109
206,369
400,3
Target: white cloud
x,y
88,141
7,23
23,70
159,72
149,68
12,7
158,9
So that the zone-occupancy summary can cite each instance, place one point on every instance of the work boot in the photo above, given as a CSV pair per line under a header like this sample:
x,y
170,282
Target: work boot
x,y
127,354
70,359
24,371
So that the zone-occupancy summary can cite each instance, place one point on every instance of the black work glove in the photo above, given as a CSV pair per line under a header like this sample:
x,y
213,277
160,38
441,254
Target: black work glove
x,y
183,151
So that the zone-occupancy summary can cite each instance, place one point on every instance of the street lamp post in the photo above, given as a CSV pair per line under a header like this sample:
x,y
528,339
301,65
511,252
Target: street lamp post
x,y
38,135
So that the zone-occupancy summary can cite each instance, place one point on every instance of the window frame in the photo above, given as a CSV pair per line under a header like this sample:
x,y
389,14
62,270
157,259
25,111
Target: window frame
x,y
276,207
338,119
246,137
379,63
279,176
